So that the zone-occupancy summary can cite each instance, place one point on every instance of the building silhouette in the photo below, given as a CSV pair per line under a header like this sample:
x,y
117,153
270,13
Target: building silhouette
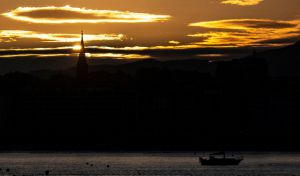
x,y
82,64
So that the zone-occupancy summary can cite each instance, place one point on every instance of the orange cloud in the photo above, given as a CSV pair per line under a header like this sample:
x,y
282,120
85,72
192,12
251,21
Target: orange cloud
x,y
247,32
13,35
242,2
117,56
246,24
33,55
36,49
68,14
218,34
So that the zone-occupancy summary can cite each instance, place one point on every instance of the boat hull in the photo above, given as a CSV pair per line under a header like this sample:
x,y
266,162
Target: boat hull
x,y
220,162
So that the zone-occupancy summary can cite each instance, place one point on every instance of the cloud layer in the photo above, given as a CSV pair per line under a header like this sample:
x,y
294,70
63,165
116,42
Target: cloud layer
x,y
215,35
14,35
247,32
68,14
242,2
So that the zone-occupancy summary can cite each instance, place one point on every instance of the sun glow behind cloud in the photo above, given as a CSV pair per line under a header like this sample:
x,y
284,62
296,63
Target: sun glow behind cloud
x,y
242,2
68,51
77,47
68,14
88,55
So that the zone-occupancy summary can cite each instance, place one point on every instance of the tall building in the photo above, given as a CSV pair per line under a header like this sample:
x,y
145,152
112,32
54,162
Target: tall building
x,y
82,64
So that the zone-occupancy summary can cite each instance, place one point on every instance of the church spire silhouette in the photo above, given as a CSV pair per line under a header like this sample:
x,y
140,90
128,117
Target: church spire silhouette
x,y
82,42
82,64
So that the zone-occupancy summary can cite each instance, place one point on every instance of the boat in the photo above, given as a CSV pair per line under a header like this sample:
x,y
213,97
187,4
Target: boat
x,y
220,158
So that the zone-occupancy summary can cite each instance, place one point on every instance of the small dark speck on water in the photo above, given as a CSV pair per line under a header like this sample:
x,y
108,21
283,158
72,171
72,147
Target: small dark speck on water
x,y
108,166
47,172
7,170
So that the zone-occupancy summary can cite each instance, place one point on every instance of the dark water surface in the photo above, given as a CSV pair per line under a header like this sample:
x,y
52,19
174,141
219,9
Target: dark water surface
x,y
158,164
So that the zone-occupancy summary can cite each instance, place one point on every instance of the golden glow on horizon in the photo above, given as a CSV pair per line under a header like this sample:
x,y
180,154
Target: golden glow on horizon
x,y
88,55
108,48
242,2
211,55
118,56
84,15
13,35
143,48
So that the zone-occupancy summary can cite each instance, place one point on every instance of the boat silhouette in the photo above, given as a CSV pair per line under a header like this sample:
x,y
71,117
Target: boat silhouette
x,y
220,158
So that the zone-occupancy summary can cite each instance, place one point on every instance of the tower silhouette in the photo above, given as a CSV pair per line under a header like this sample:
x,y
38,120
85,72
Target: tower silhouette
x,y
82,64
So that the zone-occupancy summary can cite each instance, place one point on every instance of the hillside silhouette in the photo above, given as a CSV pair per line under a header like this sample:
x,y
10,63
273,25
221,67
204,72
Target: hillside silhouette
x,y
284,62
155,105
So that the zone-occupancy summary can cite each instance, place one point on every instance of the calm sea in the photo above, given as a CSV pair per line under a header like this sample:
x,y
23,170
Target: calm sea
x,y
157,164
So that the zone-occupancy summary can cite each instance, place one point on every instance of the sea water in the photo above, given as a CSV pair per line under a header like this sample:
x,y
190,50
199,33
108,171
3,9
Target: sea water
x,y
144,164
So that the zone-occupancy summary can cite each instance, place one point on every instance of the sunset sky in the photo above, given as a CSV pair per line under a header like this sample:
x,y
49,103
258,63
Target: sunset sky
x,y
139,29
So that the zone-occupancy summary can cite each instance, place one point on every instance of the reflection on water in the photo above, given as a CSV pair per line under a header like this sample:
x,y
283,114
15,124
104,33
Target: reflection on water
x,y
255,164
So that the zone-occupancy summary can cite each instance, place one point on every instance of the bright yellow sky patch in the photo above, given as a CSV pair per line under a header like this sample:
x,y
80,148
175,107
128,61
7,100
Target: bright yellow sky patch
x,y
174,42
242,2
